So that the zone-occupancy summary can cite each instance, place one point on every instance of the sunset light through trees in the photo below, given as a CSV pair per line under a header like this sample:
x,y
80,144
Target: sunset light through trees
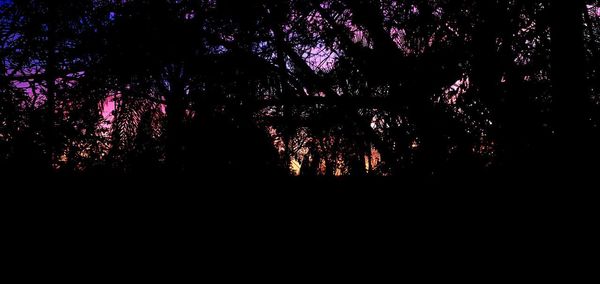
x,y
315,88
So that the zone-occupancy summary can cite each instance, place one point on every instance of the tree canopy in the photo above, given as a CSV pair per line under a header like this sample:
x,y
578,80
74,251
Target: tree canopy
x,y
427,89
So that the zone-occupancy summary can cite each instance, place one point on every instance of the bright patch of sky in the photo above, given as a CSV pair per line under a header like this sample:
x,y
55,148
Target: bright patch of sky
x,y
321,58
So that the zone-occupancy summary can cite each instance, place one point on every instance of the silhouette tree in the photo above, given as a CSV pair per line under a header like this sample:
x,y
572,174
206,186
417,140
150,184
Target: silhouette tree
x,y
571,103
424,89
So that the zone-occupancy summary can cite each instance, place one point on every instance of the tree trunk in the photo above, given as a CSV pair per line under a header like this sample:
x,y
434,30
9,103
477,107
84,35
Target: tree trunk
x,y
570,102
175,110
490,62
286,96
50,78
486,73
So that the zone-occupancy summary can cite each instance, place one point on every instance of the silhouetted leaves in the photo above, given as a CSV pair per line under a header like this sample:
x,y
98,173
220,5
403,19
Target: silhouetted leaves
x,y
320,87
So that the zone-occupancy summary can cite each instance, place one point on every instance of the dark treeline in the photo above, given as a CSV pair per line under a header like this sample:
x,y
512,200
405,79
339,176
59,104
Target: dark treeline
x,y
418,88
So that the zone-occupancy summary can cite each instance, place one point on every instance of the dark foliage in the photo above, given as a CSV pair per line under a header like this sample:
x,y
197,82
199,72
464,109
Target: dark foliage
x,y
431,90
